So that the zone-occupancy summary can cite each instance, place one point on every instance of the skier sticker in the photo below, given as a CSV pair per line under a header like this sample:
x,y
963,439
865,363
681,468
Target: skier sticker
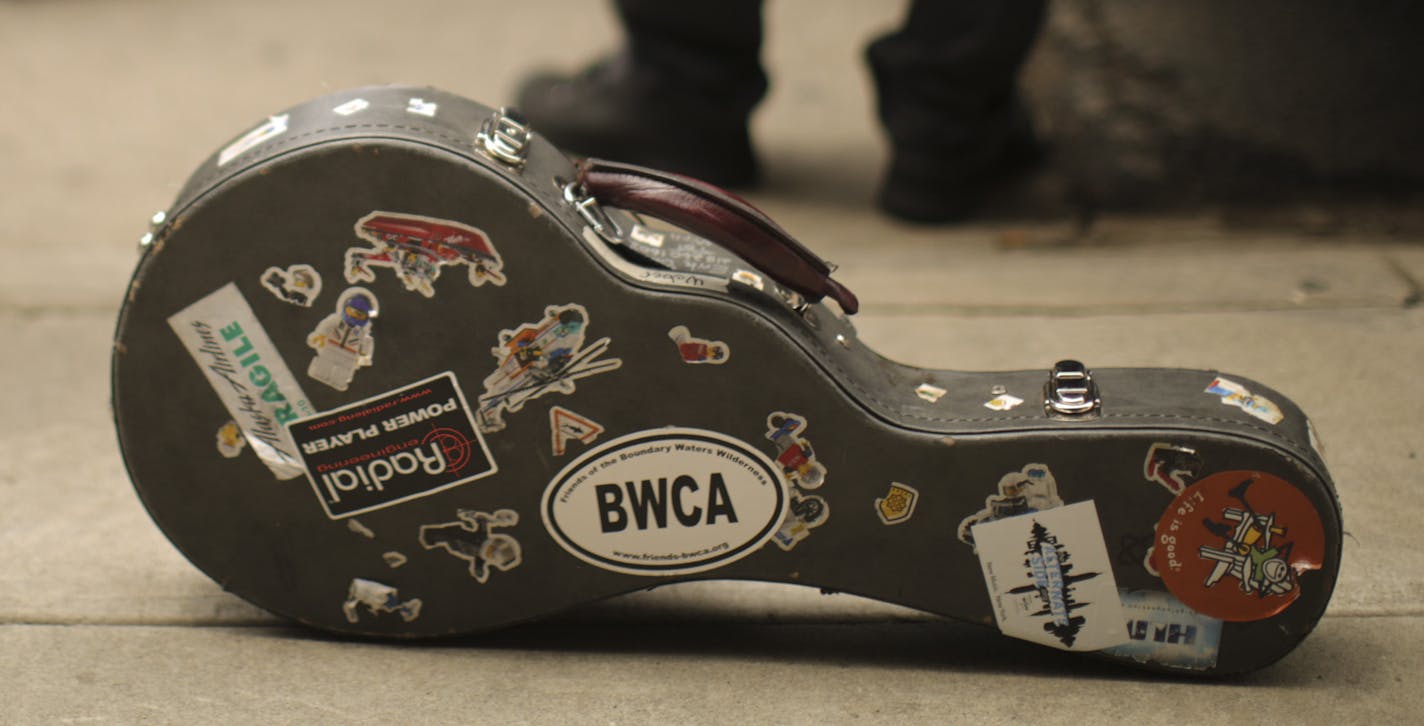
x,y
343,341
416,248
537,358
1233,545
1235,394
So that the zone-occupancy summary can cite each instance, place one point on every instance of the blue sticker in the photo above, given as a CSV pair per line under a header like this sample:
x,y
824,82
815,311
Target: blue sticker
x,y
1162,630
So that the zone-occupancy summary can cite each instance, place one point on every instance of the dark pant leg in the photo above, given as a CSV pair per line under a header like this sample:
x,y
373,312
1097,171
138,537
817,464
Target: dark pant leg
x,y
947,81
711,49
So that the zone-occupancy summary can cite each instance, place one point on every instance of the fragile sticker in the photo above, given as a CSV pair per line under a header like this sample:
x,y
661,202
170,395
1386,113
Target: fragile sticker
x,y
1050,580
1233,545
1235,394
243,367
409,443
1163,630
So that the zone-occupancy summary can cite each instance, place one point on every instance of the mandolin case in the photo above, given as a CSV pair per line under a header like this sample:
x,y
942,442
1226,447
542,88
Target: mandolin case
x,y
393,365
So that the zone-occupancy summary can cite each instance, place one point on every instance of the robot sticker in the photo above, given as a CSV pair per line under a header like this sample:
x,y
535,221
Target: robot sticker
x,y
1172,466
378,599
566,426
540,357
1031,489
416,248
343,340
471,538
1233,545
807,511
698,350
794,452
298,284
1235,394
231,442
898,504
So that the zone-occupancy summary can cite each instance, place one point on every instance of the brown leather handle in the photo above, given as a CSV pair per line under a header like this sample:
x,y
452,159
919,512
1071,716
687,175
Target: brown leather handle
x,y
719,216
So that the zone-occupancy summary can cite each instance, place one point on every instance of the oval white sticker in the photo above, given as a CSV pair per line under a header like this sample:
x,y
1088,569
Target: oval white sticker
x,y
665,502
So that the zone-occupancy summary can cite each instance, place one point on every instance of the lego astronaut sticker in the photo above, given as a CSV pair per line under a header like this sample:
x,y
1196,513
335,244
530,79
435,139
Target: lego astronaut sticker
x,y
416,248
1233,545
898,504
1162,630
698,350
269,129
665,501
344,340
244,369
378,599
793,451
298,284
1235,394
1031,489
392,448
1049,578
1172,466
471,537
566,426
537,358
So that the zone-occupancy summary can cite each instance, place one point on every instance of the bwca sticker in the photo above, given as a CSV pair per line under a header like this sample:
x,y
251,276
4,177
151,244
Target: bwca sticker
x,y
1050,580
665,502
248,374
402,445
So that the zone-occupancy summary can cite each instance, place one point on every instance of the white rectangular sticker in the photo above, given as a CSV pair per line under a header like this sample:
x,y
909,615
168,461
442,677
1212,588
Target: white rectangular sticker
x,y
242,365
1050,580
273,126
1160,629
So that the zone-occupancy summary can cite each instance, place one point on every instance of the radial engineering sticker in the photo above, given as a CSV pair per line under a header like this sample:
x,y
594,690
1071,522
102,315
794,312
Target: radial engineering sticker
x,y
417,247
247,373
1050,580
665,502
398,446
1233,545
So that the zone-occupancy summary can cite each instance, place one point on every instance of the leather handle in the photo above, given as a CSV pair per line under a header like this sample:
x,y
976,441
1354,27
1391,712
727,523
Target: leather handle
x,y
719,216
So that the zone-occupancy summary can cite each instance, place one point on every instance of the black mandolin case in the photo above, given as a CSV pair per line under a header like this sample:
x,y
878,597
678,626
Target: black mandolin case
x,y
393,365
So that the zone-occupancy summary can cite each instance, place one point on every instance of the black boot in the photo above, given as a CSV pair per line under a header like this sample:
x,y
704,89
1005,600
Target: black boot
x,y
678,98
946,85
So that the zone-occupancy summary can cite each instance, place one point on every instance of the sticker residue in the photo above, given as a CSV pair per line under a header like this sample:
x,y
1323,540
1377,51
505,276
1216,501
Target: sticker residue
x,y
1235,394
377,598
471,537
1050,580
243,367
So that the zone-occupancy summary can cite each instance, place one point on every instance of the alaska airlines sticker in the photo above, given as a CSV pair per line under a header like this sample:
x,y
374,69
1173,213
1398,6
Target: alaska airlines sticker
x,y
417,247
402,445
242,365
1050,580
1234,544
665,502
537,358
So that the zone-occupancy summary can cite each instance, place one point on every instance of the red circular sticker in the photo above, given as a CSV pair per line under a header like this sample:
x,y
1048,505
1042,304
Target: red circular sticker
x,y
1234,544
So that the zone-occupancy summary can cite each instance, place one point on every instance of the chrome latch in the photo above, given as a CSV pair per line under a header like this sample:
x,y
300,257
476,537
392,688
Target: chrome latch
x,y
505,136
1070,390
587,207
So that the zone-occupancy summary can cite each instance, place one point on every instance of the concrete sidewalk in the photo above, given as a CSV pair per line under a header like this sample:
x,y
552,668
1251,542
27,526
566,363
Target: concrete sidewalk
x,y
110,105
